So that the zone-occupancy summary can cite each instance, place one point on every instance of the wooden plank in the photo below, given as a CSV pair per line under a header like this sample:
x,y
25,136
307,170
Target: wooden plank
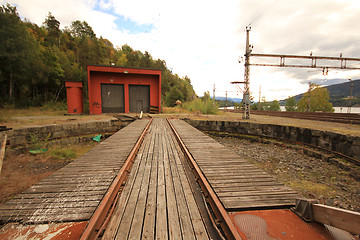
x,y
241,205
173,216
161,214
57,194
64,189
54,211
255,193
34,202
336,217
138,217
150,212
45,206
2,151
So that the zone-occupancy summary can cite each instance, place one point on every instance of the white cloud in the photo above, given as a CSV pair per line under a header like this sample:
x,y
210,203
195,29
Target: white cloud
x,y
204,39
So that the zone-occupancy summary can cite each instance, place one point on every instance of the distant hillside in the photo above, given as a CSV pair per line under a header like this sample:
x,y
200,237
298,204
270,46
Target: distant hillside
x,y
338,94
235,100
222,101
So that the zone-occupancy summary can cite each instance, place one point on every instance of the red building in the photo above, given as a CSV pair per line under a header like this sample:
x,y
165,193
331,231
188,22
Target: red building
x,y
122,90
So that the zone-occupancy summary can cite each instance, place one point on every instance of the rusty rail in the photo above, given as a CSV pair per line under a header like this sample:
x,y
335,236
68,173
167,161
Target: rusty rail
x,y
103,212
220,213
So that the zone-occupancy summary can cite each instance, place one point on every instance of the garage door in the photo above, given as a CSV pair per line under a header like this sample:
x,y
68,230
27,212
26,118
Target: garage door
x,y
112,98
139,98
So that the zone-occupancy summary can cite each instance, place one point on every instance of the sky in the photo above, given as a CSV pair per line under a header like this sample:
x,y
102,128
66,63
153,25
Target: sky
x,y
205,40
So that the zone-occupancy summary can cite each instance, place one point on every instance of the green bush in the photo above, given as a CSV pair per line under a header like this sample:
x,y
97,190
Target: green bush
x,y
205,106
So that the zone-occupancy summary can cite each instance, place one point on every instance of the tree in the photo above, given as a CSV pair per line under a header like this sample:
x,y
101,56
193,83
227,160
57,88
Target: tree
x,y
16,49
80,29
53,27
172,96
53,70
290,104
206,97
317,99
274,106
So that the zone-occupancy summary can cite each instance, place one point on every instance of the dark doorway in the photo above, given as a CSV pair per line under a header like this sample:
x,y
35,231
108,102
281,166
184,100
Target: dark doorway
x,y
139,98
112,98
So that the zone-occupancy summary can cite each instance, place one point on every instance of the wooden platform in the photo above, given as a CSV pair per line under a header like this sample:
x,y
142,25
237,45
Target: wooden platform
x,y
157,201
74,192
238,184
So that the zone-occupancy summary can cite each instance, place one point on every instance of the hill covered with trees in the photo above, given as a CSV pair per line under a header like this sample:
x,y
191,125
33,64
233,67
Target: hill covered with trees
x,y
339,94
36,60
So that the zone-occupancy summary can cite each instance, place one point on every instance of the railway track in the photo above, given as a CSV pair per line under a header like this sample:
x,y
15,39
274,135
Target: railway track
x,y
347,118
228,223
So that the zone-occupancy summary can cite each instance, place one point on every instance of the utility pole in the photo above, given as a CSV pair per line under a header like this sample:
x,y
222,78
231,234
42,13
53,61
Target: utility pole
x,y
351,90
343,63
226,100
308,99
246,98
214,93
259,105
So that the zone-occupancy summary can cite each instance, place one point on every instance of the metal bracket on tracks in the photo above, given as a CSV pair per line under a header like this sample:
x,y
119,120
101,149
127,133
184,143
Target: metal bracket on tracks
x,y
303,208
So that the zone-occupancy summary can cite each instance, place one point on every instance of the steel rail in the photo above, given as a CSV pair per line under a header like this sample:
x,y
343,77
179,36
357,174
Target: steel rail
x,y
107,204
221,214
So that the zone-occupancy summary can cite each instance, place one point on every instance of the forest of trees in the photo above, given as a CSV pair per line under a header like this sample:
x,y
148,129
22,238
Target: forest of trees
x,y
36,60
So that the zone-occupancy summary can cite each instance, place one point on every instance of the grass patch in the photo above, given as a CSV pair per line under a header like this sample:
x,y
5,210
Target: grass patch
x,y
4,118
70,152
48,109
64,154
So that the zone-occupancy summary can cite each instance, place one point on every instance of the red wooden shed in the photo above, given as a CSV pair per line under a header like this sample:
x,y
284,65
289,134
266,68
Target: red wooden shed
x,y
115,89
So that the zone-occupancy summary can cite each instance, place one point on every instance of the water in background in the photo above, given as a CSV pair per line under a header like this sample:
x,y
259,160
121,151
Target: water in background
x,y
337,109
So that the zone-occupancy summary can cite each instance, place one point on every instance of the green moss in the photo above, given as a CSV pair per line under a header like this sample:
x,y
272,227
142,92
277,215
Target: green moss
x,y
315,188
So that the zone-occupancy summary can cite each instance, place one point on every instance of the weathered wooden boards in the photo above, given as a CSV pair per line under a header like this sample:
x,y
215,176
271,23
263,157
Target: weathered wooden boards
x,y
74,192
157,201
238,183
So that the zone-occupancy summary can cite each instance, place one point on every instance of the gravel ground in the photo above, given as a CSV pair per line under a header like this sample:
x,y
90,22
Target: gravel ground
x,y
311,177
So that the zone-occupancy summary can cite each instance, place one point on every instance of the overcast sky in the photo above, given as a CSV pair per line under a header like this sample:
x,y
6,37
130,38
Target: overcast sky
x,y
205,39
